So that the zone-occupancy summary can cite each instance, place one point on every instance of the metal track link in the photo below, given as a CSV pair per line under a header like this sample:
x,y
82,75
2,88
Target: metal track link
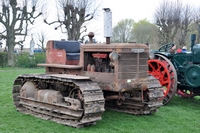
x,y
92,101
131,106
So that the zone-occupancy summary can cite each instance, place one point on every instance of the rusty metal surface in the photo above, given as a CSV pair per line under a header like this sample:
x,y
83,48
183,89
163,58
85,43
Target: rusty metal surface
x,y
113,75
138,102
61,66
130,65
57,70
55,56
121,46
105,78
62,69
68,76
83,102
74,103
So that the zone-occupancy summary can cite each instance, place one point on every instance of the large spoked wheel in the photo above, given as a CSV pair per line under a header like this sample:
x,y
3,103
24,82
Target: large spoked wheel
x,y
162,69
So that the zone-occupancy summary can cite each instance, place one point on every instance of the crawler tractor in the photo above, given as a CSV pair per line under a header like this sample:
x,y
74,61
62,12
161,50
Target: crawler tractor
x,y
82,80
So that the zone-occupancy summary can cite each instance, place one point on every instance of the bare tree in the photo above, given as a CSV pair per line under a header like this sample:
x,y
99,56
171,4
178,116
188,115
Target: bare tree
x,y
187,17
122,31
197,22
15,16
73,16
42,39
168,19
174,19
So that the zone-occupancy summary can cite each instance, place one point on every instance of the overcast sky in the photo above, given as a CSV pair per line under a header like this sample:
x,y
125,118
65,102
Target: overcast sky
x,y
131,9
121,9
136,9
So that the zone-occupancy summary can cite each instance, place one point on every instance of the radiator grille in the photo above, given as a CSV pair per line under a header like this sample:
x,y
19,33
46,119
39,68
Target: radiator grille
x,y
128,64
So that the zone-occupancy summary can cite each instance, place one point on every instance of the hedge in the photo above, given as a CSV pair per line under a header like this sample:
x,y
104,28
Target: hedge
x,y
3,59
26,61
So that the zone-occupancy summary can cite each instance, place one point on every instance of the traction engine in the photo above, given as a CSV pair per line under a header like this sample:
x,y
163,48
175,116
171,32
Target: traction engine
x,y
184,66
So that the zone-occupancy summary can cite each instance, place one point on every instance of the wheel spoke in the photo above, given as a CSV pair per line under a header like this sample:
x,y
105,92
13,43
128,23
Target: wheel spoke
x,y
159,67
165,83
152,67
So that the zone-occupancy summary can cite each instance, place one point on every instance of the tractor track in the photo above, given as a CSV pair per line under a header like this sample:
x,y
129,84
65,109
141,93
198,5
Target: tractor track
x,y
85,110
139,107
74,115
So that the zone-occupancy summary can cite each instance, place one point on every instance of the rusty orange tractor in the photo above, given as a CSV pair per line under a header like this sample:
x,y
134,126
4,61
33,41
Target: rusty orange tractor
x,y
82,80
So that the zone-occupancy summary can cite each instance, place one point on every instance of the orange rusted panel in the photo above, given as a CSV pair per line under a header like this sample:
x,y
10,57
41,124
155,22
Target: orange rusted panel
x,y
55,56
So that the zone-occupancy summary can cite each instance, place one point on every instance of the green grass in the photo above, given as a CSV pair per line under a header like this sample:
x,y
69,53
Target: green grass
x,y
179,116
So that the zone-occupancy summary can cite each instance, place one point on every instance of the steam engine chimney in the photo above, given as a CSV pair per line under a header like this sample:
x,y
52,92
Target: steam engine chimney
x,y
107,24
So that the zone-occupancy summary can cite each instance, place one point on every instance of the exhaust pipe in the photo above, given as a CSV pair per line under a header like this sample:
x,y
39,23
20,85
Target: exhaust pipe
x,y
107,24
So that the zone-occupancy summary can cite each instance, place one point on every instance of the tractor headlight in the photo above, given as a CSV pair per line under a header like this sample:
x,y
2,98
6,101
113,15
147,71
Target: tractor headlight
x,y
128,81
113,56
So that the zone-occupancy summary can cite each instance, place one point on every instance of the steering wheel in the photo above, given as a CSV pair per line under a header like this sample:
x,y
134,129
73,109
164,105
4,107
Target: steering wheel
x,y
166,47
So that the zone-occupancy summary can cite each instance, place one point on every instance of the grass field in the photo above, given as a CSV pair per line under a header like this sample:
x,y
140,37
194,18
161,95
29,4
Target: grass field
x,y
179,116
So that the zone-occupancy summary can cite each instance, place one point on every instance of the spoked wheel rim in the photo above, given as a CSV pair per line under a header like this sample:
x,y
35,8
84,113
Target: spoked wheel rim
x,y
162,69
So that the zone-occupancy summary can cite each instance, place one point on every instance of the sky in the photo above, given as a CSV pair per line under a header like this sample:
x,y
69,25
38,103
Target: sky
x,y
131,9
126,9
121,9
136,9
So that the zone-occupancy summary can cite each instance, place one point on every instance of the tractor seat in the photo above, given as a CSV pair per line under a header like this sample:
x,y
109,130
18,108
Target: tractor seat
x,y
72,48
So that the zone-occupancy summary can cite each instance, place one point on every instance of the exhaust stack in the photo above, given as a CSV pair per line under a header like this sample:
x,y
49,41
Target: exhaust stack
x,y
192,39
107,24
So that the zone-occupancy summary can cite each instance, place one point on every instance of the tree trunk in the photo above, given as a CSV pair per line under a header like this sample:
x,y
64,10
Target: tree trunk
x,y
11,57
